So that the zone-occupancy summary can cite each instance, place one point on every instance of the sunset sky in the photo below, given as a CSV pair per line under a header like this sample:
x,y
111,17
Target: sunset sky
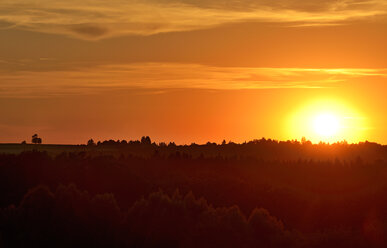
x,y
192,71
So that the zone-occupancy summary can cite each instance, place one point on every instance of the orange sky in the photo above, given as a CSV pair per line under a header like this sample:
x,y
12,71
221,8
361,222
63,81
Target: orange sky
x,y
190,71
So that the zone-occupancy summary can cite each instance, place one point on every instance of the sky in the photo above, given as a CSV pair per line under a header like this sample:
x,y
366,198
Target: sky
x,y
192,71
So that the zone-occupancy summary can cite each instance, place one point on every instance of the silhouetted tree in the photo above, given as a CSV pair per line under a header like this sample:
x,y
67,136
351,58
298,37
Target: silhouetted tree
x,y
172,144
91,142
146,140
36,139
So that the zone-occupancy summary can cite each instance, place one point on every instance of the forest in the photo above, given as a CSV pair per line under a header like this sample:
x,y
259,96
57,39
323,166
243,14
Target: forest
x,y
261,193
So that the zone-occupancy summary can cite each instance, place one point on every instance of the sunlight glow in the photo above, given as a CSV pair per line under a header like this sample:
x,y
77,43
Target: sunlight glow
x,y
327,121
326,125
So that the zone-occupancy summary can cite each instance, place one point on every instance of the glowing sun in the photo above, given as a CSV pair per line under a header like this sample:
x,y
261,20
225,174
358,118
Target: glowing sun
x,y
327,121
326,125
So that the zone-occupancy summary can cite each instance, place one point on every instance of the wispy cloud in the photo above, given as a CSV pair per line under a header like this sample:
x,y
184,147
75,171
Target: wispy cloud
x,y
166,76
90,19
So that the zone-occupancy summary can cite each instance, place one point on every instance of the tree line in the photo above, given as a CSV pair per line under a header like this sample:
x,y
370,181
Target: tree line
x,y
262,193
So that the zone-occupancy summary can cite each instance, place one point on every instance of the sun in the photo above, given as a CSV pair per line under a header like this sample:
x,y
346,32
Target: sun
x,y
327,121
326,125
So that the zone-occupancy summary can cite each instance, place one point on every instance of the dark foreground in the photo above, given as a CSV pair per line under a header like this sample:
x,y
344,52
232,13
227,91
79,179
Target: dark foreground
x,y
138,194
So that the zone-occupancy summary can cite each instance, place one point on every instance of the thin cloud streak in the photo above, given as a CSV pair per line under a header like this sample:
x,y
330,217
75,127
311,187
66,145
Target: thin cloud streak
x,y
168,76
94,20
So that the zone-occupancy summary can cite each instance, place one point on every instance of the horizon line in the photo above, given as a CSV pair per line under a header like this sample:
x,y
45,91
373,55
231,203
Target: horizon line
x,y
230,142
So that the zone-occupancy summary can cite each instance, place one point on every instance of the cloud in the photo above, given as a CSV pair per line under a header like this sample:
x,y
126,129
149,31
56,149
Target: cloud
x,y
89,19
89,30
167,76
5,25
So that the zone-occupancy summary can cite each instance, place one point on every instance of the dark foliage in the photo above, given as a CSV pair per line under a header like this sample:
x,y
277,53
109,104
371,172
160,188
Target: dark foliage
x,y
36,139
258,194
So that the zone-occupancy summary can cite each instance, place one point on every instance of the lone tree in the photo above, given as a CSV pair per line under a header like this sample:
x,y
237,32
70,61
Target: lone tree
x,y
146,140
36,139
91,142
